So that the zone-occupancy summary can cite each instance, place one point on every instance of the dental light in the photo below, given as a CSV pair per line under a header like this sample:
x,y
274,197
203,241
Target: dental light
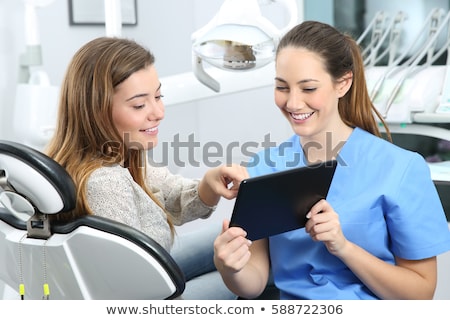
x,y
238,38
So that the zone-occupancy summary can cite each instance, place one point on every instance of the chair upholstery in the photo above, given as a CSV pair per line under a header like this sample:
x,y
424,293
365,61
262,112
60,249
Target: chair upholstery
x,y
89,258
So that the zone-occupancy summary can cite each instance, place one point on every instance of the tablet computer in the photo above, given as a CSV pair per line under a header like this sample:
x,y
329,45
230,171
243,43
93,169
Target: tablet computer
x,y
278,202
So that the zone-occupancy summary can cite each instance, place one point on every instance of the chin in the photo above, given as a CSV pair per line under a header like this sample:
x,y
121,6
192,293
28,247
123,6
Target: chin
x,y
302,130
142,144
150,144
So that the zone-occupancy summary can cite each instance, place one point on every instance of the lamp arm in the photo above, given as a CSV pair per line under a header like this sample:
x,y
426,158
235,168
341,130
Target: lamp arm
x,y
202,75
291,8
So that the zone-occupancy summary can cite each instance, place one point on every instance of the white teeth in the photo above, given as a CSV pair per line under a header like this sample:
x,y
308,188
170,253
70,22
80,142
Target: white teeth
x,y
301,116
151,129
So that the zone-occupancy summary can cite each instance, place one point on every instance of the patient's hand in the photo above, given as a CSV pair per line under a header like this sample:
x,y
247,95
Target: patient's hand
x,y
222,181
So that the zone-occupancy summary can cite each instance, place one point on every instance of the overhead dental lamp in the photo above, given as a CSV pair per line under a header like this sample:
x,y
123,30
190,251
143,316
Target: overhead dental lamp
x,y
238,38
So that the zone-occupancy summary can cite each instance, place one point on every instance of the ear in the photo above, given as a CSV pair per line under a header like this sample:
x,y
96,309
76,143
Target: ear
x,y
344,84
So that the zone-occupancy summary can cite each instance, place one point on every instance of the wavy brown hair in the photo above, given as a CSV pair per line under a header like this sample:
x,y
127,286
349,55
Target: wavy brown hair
x,y
85,137
341,54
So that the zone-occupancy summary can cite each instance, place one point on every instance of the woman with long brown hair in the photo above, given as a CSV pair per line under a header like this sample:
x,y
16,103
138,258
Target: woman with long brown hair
x,y
110,110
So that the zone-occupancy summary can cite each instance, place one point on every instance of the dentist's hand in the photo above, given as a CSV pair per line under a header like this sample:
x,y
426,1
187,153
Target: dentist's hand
x,y
323,225
231,249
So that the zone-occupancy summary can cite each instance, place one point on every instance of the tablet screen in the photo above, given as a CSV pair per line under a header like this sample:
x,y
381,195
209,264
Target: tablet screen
x,y
278,202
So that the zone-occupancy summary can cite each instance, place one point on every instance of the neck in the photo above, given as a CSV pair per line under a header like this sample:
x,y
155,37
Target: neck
x,y
326,146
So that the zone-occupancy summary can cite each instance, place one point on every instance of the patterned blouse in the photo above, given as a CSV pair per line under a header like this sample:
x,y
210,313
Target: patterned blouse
x,y
112,193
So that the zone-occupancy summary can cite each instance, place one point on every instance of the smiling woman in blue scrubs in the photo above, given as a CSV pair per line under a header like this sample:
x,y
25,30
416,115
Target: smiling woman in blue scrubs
x,y
378,233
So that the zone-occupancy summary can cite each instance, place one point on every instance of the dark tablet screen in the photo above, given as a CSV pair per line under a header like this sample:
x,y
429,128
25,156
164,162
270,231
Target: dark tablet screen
x,y
278,202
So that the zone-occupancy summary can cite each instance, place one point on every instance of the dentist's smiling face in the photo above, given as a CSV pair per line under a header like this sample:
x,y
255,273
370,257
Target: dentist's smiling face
x,y
306,94
138,109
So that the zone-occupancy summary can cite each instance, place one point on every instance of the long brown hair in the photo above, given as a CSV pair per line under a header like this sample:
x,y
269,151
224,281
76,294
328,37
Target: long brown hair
x,y
341,54
85,137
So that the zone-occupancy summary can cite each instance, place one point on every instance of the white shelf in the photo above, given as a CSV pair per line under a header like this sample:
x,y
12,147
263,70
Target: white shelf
x,y
440,171
420,129
184,87
424,117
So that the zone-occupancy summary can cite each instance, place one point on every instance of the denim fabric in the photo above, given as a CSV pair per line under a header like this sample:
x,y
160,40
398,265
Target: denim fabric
x,y
194,252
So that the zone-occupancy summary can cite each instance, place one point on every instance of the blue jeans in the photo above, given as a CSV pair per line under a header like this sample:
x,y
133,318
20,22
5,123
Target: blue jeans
x,y
194,252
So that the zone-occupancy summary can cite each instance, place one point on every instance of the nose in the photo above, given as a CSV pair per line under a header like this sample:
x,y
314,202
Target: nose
x,y
294,100
156,112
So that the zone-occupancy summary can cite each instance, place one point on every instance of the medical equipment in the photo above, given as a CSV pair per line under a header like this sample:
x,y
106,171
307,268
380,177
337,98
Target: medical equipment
x,y
409,89
238,38
88,258
381,28
398,89
36,99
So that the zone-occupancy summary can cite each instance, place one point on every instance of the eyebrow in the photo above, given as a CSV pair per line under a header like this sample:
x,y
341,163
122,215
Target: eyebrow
x,y
142,94
298,82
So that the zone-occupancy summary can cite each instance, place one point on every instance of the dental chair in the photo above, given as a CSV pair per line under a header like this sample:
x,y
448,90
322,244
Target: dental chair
x,y
89,258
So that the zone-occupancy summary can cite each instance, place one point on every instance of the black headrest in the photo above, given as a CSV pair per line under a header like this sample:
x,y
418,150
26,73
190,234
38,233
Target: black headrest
x,y
30,172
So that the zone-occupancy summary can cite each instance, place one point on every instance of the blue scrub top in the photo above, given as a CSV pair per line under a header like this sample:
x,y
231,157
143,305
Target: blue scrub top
x,y
387,204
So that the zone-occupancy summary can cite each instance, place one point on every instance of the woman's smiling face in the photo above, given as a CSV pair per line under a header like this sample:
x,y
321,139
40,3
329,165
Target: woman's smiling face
x,y
138,109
